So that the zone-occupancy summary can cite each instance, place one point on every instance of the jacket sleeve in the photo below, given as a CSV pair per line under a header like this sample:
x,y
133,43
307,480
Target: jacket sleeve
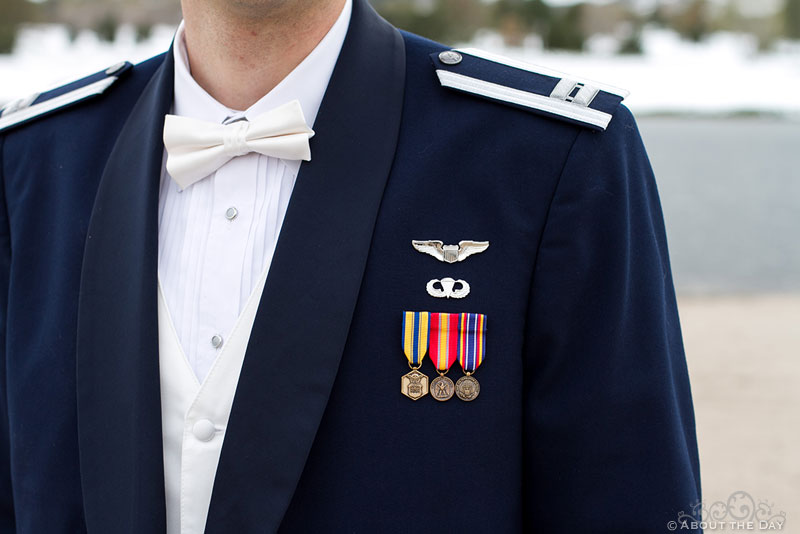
x,y
6,499
609,426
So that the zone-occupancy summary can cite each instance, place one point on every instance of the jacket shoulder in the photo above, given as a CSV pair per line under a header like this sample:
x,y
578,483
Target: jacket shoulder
x,y
528,87
40,105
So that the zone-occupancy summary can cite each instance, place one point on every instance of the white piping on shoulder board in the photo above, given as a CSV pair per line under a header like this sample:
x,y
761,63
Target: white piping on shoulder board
x,y
524,98
541,70
81,93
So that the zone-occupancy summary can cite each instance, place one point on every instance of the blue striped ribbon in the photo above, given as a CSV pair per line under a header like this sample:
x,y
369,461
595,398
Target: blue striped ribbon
x,y
415,336
471,341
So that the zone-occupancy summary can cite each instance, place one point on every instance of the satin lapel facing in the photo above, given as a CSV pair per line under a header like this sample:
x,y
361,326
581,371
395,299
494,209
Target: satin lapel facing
x,y
119,406
313,284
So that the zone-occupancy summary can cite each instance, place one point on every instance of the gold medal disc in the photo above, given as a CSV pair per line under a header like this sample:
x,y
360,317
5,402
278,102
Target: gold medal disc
x,y
467,388
414,385
442,388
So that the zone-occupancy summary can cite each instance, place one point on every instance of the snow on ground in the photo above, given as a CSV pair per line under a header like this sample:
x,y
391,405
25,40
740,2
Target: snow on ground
x,y
45,58
725,74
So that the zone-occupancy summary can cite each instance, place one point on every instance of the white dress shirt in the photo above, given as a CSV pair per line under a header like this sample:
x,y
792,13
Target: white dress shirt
x,y
217,236
216,241
194,416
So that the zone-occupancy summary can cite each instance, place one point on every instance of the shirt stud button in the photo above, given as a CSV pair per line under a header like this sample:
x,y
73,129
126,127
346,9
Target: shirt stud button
x,y
204,430
216,341
231,213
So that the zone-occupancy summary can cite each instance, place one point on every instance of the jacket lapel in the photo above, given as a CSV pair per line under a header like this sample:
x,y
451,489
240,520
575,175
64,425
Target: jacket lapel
x,y
119,413
313,284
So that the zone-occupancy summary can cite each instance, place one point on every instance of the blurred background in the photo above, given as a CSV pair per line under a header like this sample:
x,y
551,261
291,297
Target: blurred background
x,y
716,88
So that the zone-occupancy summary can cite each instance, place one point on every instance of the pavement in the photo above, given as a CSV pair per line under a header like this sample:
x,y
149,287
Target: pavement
x,y
743,354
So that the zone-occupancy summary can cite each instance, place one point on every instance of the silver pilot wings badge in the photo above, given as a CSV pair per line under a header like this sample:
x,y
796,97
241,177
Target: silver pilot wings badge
x,y
450,253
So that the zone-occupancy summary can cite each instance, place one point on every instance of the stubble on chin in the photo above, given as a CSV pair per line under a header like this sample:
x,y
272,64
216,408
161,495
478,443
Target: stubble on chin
x,y
274,10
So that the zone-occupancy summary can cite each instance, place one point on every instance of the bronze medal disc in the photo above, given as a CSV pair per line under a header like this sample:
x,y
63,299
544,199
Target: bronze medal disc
x,y
442,388
467,388
414,385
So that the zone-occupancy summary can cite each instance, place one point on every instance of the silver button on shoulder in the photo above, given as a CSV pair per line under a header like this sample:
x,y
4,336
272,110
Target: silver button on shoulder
x,y
216,341
231,213
450,57
113,69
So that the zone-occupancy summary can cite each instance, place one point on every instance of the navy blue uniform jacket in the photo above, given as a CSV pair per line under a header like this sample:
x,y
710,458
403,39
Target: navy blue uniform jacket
x,y
584,421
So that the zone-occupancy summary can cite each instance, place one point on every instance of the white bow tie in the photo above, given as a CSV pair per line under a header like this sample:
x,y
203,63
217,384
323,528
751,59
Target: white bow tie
x,y
196,148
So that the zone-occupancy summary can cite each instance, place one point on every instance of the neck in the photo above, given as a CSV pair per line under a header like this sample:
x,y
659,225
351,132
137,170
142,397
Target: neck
x,y
239,50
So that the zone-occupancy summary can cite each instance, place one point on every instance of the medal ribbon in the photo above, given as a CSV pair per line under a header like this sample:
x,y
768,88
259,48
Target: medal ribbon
x,y
415,336
471,341
444,340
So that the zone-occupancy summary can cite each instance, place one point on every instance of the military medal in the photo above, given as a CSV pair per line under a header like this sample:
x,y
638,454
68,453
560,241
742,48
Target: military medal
x,y
414,385
443,349
471,351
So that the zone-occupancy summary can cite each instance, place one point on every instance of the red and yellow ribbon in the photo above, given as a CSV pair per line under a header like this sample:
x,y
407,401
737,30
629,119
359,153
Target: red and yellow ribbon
x,y
444,340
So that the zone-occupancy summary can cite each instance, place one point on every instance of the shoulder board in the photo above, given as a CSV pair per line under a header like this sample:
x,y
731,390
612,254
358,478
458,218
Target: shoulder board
x,y
530,87
39,105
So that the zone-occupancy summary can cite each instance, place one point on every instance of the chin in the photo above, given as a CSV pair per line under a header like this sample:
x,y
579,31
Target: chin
x,y
268,8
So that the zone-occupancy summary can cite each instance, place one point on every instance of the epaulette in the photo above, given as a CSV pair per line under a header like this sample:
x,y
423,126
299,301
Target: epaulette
x,y
530,87
38,105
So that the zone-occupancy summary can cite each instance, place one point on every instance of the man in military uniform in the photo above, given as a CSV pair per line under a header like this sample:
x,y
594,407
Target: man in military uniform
x,y
210,292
